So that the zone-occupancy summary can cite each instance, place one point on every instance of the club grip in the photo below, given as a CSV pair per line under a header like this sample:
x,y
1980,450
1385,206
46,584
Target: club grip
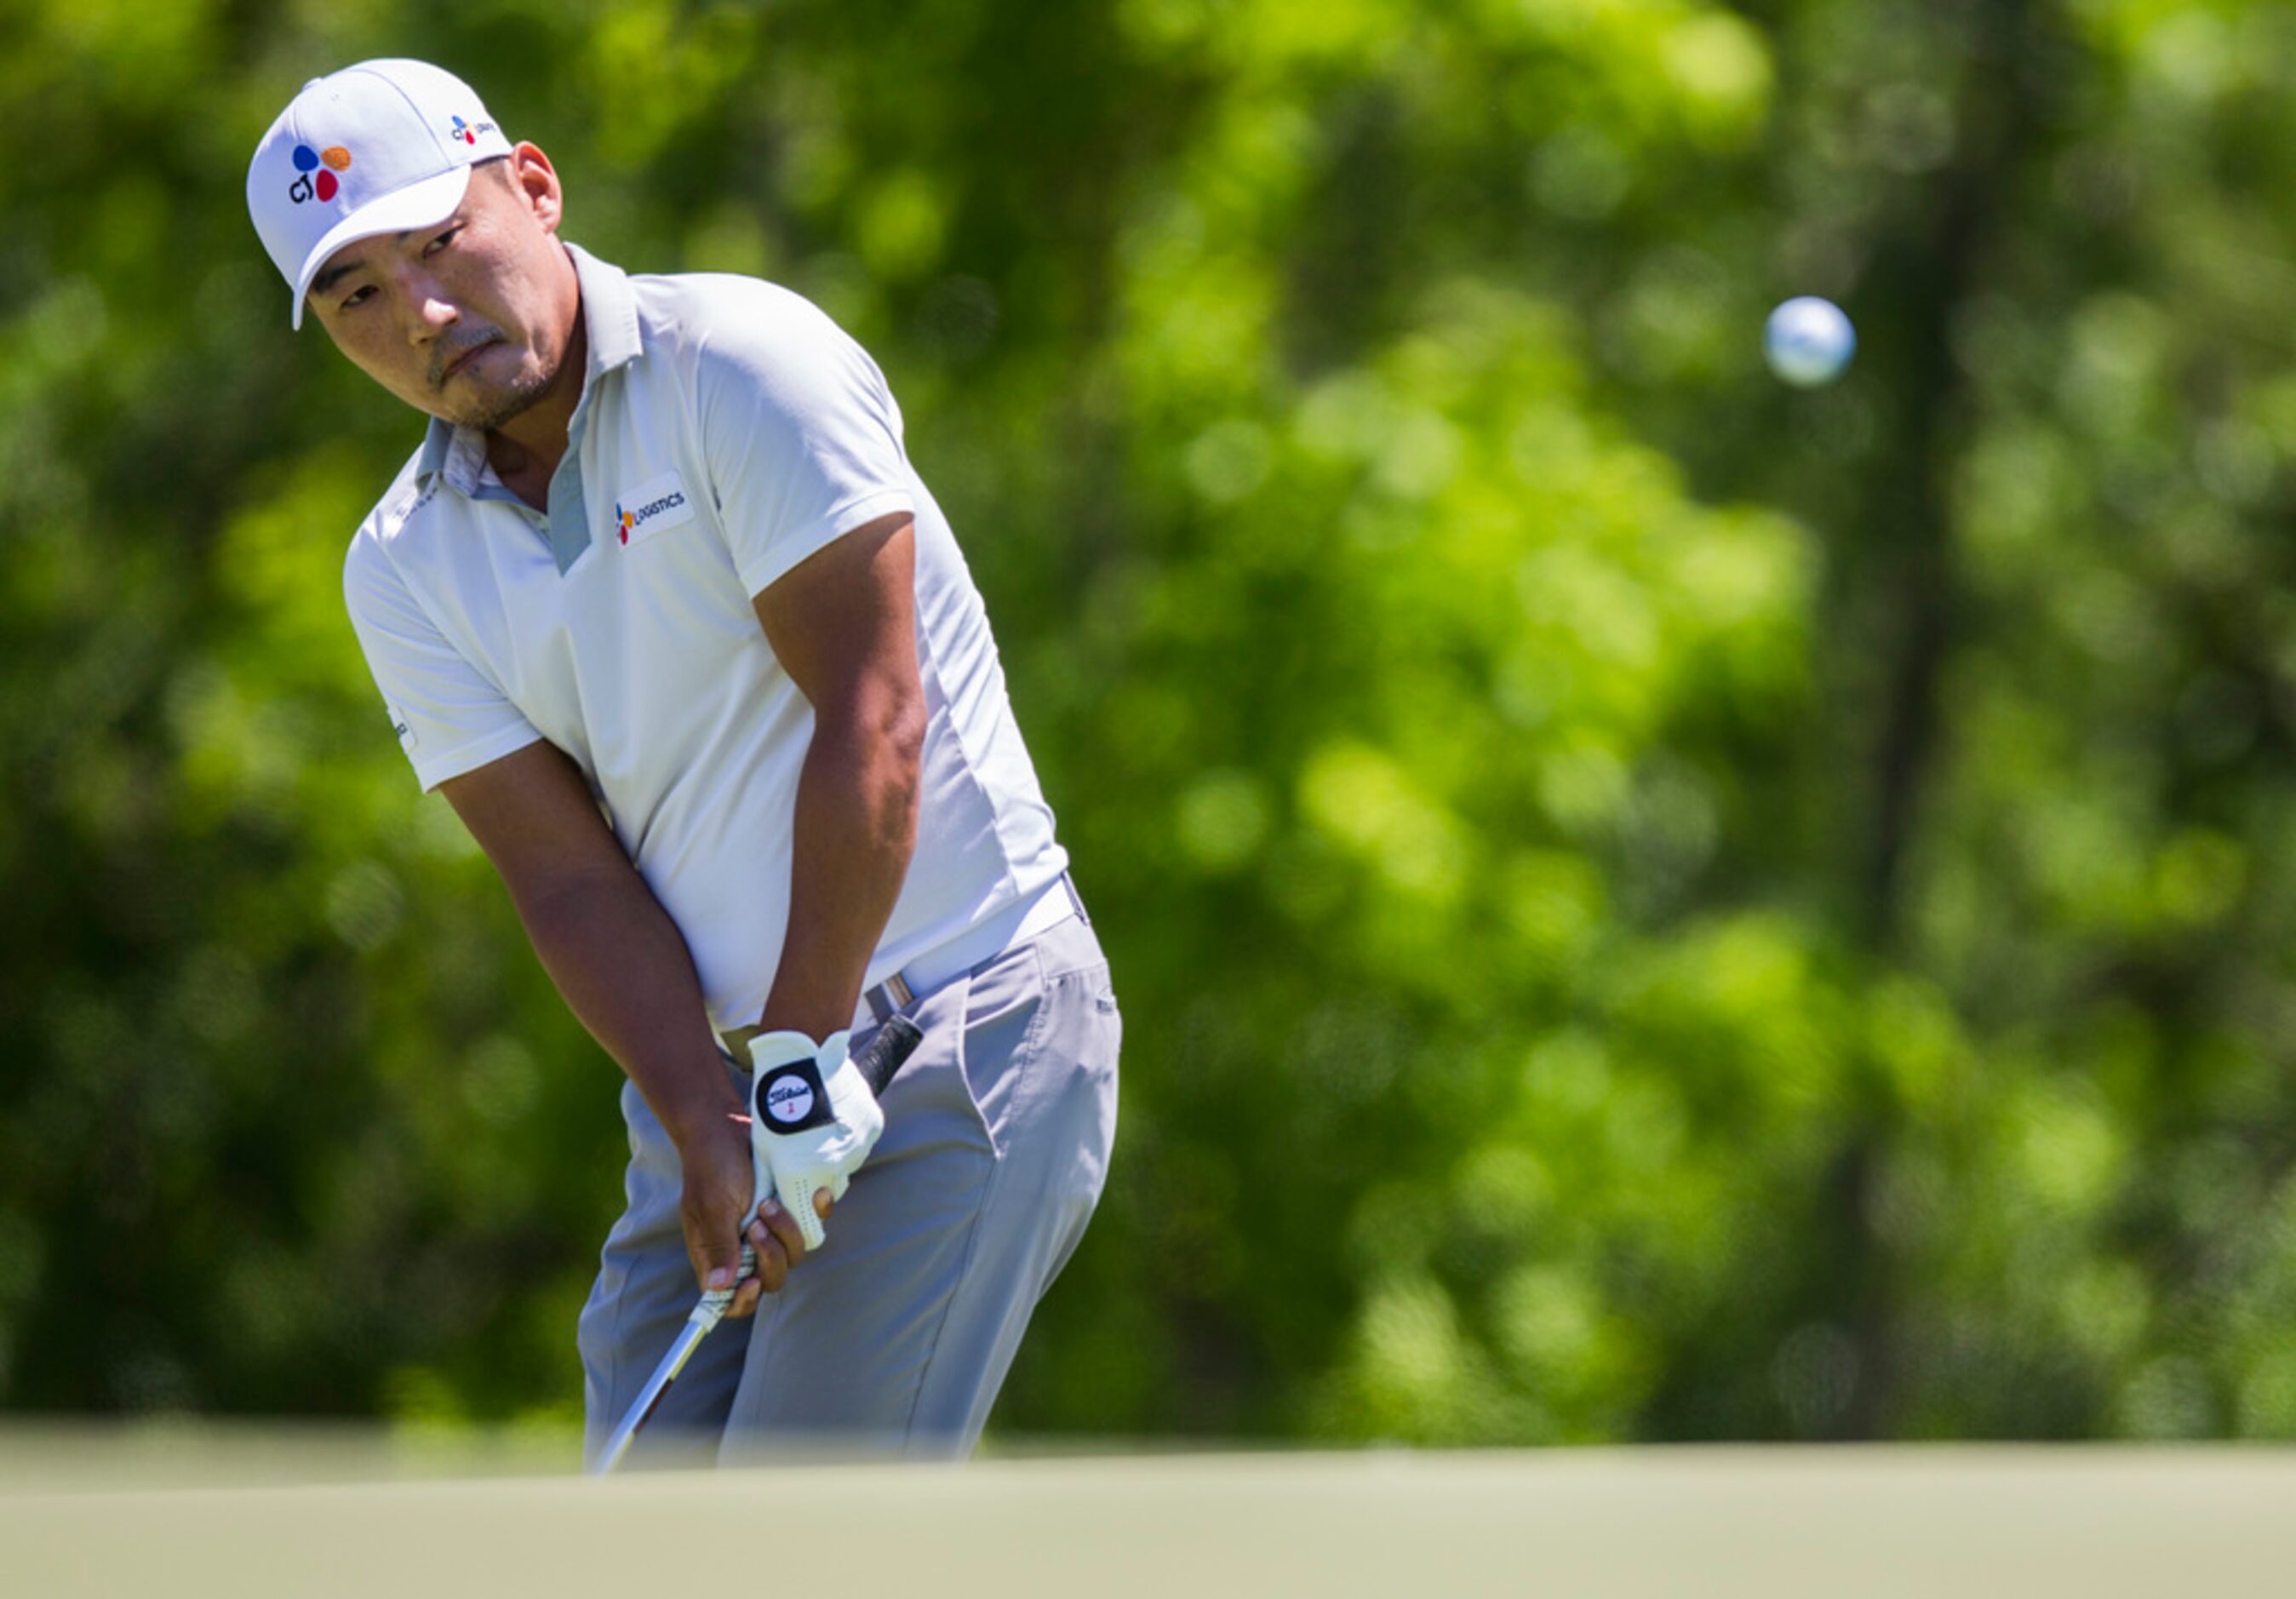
x,y
894,1043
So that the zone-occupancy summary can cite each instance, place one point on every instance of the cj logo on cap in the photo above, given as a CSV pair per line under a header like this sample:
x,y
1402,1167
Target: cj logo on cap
x,y
466,133
315,172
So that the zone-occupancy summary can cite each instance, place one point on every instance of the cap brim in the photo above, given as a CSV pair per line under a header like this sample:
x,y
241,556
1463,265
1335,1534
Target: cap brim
x,y
418,205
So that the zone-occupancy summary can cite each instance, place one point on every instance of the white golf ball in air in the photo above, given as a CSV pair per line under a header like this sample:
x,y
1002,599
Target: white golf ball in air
x,y
1808,342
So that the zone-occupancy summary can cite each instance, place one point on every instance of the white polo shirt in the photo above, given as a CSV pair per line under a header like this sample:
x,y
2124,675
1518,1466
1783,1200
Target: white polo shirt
x,y
727,429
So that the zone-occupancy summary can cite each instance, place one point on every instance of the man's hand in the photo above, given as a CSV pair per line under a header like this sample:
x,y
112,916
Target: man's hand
x,y
813,1121
721,1181
624,967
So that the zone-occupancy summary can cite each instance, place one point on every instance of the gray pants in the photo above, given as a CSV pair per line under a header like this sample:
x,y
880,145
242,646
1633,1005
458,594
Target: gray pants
x,y
894,1337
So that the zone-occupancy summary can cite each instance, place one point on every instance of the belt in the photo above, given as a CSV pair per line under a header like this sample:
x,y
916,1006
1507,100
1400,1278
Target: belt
x,y
983,941
943,964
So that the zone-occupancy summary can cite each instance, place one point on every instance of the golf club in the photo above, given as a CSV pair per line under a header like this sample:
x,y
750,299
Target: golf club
x,y
895,1041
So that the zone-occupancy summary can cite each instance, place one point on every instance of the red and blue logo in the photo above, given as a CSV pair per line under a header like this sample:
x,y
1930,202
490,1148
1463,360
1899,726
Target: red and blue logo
x,y
463,131
315,172
626,524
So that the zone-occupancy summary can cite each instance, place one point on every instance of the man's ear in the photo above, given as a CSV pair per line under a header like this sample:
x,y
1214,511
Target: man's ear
x,y
535,182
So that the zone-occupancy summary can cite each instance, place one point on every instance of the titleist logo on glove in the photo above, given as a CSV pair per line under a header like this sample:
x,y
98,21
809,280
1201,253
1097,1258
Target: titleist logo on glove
x,y
792,1098
815,1120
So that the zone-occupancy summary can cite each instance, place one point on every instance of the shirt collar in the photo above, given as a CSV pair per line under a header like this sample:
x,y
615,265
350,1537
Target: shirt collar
x,y
609,318
609,312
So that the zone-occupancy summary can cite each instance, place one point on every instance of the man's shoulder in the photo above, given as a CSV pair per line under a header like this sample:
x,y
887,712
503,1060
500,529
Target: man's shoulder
x,y
707,316
401,505
699,297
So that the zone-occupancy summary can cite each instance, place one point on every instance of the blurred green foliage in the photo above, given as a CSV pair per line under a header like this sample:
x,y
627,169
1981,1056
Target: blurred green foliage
x,y
1648,904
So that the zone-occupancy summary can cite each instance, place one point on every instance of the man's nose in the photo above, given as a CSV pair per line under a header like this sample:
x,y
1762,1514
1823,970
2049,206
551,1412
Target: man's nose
x,y
434,313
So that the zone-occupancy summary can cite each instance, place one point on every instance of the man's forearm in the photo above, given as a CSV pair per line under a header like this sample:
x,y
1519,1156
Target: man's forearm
x,y
856,827
624,970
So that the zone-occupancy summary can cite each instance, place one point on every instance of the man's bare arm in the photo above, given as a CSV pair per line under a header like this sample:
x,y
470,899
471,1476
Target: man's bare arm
x,y
843,625
615,955
624,970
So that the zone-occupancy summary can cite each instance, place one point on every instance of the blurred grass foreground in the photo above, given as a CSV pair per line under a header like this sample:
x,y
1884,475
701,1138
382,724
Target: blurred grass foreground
x,y
1882,1523
1649,906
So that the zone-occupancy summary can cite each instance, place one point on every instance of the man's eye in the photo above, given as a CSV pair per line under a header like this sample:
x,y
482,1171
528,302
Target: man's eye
x,y
363,292
441,242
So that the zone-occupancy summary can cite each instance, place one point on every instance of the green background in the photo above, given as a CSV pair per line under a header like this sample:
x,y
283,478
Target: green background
x,y
1648,904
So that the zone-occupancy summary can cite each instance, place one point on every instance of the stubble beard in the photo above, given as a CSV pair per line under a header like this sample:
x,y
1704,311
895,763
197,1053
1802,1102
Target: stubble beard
x,y
490,410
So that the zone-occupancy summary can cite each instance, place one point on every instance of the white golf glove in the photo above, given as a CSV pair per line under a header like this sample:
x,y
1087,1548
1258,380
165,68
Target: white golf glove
x,y
813,1121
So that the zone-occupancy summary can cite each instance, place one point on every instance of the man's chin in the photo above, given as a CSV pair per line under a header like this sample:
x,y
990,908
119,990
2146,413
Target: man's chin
x,y
485,406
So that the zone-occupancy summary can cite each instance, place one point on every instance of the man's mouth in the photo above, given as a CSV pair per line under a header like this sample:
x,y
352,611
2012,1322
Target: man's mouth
x,y
464,359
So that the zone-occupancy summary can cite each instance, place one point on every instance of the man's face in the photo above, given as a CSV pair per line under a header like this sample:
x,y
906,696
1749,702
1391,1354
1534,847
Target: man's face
x,y
468,320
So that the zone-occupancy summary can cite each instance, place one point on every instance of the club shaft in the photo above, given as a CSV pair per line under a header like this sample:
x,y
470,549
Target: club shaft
x,y
689,1338
887,1053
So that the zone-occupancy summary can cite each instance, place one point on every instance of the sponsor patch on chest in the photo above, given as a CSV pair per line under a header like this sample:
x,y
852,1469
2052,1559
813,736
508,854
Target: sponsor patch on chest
x,y
652,505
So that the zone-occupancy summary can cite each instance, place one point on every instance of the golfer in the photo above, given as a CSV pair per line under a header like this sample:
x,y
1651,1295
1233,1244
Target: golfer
x,y
662,608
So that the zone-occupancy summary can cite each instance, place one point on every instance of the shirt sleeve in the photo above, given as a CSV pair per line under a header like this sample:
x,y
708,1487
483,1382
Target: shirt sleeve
x,y
802,433
450,718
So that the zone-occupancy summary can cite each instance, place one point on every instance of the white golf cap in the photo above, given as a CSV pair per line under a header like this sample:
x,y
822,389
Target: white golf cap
x,y
377,148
